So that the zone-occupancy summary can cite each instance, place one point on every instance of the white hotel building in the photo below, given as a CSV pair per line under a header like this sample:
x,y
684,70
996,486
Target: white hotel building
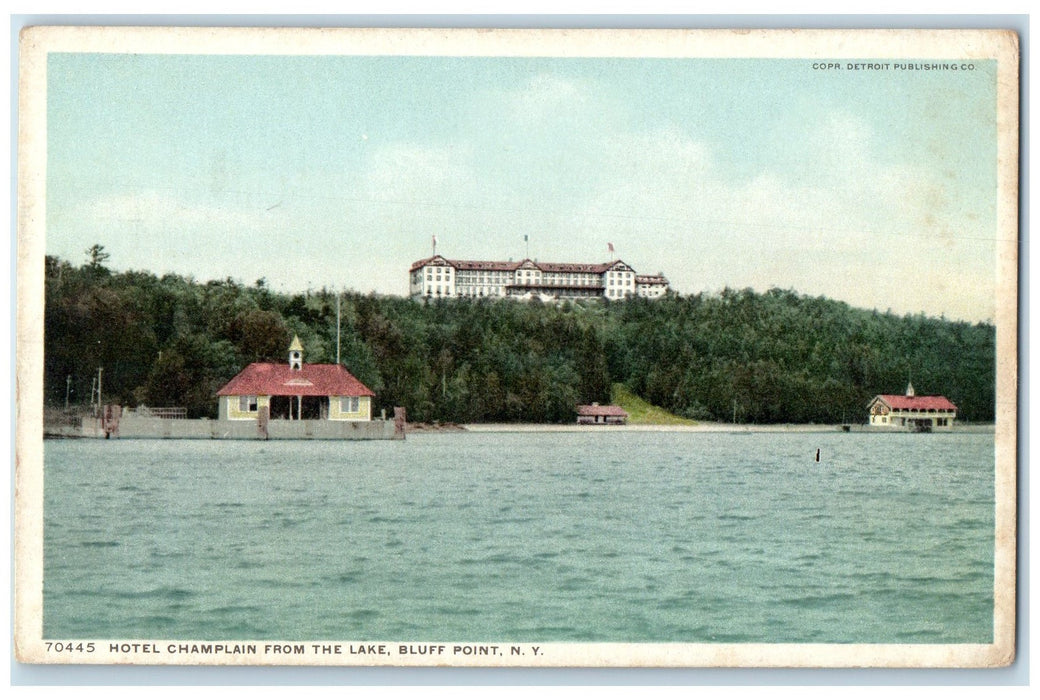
x,y
438,277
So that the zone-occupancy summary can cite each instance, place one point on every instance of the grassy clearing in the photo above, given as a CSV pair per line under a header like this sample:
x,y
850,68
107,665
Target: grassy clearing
x,y
642,413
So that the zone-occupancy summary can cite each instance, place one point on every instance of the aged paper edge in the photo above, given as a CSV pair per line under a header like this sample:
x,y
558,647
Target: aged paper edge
x,y
37,42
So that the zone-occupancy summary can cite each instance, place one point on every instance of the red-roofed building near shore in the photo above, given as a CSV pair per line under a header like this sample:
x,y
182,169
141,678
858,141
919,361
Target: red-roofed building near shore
x,y
912,412
438,278
295,391
595,414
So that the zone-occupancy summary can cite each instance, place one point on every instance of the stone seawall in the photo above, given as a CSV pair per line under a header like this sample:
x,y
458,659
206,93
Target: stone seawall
x,y
137,427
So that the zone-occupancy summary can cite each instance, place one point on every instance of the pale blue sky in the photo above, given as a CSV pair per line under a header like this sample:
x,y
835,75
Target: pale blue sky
x,y
876,188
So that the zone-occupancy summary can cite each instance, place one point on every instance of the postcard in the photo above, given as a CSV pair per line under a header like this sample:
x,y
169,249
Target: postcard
x,y
517,348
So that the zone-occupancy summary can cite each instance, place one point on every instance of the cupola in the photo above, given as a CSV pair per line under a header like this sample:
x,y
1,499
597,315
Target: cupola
x,y
296,353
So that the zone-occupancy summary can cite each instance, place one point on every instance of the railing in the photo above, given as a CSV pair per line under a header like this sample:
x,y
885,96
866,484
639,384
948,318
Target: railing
x,y
149,412
58,417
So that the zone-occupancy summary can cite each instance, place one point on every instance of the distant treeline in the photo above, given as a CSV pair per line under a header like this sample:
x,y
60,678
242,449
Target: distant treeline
x,y
762,358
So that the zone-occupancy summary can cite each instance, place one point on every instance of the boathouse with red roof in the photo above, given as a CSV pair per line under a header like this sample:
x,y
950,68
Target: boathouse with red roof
x,y
912,412
295,391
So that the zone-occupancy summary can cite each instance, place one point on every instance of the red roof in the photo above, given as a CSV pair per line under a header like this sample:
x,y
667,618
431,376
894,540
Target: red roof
x,y
602,411
435,260
269,379
920,403
492,265
501,266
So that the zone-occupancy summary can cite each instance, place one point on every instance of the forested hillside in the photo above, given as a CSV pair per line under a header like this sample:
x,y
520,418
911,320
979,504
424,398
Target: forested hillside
x,y
772,357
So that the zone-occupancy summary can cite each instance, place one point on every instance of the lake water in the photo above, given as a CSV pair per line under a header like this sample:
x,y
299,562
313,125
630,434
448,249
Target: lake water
x,y
604,536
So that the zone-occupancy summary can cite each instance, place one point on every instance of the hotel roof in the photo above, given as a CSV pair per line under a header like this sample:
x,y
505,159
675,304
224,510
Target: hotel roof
x,y
509,266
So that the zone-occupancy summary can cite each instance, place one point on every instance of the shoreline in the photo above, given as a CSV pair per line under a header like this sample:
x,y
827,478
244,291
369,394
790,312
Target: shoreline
x,y
52,432
699,428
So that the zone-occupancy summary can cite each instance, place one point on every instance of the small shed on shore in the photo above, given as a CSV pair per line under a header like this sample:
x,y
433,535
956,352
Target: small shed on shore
x,y
594,414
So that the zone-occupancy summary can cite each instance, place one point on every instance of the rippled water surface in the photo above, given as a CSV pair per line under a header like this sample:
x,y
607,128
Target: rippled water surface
x,y
629,537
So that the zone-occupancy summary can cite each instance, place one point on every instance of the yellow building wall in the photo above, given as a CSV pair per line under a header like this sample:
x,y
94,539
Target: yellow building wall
x,y
233,412
364,411
899,418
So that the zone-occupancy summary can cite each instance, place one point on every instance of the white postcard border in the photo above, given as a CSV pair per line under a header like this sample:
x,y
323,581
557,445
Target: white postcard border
x,y
37,42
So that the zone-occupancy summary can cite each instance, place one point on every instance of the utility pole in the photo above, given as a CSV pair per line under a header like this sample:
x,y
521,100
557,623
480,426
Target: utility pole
x,y
338,295
68,388
99,389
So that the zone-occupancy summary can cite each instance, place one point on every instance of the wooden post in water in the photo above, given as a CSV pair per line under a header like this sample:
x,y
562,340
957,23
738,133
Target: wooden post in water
x,y
262,416
399,421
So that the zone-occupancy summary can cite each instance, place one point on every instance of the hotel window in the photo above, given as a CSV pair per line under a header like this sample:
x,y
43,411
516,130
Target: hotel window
x,y
246,403
349,404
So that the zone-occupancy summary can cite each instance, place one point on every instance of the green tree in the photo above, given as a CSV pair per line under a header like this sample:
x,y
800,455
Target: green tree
x,y
96,259
260,336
